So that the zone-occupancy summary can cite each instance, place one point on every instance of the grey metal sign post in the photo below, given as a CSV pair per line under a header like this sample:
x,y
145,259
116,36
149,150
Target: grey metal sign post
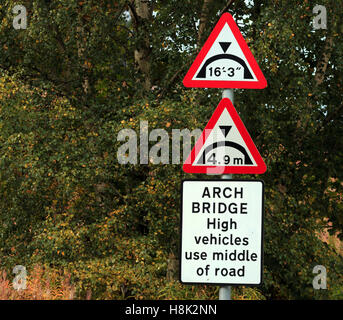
x,y
225,291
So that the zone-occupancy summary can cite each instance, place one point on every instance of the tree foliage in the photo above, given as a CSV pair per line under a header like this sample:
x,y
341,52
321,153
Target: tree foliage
x,y
84,70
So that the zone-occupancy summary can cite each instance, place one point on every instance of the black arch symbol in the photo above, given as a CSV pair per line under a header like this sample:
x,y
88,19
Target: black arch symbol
x,y
247,73
247,160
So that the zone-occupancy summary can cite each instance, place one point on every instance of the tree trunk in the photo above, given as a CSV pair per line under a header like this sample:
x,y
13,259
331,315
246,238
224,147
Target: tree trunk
x,y
141,14
324,61
172,267
203,20
81,47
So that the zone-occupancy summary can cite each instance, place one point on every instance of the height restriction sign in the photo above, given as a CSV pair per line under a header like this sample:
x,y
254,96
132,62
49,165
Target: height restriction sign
x,y
225,146
225,61
222,232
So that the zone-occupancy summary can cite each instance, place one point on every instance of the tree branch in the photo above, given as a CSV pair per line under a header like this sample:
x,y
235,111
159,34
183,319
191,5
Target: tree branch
x,y
120,12
330,117
227,7
184,66
322,64
134,14
203,20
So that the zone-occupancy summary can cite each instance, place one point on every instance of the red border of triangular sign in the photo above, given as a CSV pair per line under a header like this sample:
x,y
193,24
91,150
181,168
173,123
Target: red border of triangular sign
x,y
260,165
259,84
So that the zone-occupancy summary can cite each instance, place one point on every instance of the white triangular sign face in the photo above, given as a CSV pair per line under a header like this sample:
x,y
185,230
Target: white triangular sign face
x,y
225,146
225,61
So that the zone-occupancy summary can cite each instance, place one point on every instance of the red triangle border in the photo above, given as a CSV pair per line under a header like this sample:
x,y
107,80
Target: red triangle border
x,y
261,82
260,167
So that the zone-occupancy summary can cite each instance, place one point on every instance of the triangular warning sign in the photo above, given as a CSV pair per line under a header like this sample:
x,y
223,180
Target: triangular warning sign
x,y
225,146
225,61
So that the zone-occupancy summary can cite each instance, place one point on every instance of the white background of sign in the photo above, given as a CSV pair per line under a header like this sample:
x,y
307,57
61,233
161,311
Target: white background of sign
x,y
248,226
216,135
226,35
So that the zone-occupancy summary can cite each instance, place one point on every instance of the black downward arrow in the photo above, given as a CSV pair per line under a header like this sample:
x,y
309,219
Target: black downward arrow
x,y
225,45
225,130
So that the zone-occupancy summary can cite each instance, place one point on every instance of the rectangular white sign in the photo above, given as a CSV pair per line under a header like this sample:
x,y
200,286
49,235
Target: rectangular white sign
x,y
222,232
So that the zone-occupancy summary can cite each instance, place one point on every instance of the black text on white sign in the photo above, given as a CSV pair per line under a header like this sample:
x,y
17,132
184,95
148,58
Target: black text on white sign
x,y
222,232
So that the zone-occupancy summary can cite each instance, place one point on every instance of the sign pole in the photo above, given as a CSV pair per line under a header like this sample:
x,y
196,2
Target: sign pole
x,y
224,43
225,291
228,93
